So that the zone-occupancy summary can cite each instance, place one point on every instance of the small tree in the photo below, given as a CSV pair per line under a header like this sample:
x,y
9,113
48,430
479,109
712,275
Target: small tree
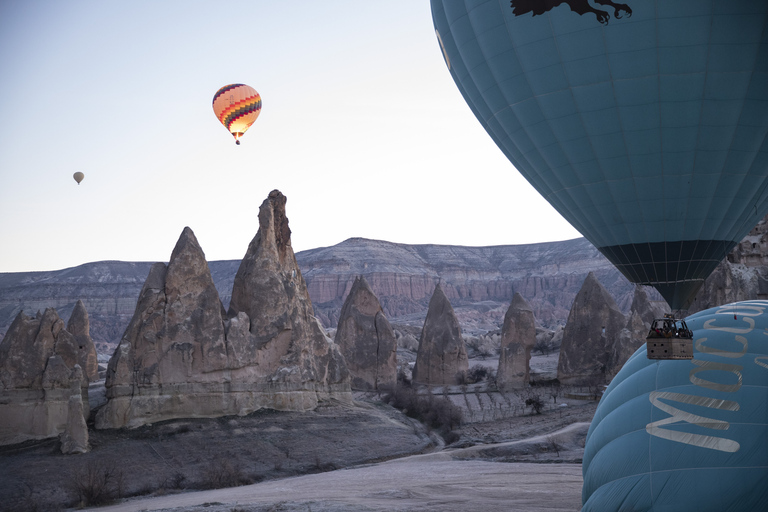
x,y
542,347
553,444
535,403
554,392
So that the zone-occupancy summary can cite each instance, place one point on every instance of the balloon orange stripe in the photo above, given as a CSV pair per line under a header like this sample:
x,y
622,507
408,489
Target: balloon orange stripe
x,y
236,105
237,114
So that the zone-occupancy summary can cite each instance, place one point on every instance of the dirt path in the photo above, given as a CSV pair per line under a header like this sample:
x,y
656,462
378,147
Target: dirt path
x,y
423,483
454,479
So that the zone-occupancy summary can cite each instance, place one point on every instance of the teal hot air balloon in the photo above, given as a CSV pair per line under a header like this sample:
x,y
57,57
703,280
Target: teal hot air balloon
x,y
644,124
687,435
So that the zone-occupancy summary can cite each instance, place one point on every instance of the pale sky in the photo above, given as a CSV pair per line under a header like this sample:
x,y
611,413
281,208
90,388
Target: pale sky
x,y
362,128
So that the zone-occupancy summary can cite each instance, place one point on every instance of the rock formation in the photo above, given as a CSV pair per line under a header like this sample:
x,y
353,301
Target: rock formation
x,y
518,336
473,278
83,351
442,357
367,340
43,392
593,327
632,337
183,356
478,280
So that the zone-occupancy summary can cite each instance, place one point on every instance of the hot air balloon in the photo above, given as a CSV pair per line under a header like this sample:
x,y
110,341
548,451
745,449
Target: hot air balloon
x,y
78,176
643,124
237,106
687,434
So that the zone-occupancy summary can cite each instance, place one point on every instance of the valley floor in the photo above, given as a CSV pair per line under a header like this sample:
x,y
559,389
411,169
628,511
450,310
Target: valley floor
x,y
413,483
342,457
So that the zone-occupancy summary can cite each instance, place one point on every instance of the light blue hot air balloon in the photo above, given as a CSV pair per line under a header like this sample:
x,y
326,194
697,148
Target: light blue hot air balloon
x,y
644,124
687,435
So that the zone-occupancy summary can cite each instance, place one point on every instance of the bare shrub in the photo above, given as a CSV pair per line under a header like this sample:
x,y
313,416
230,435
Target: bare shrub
x,y
543,347
96,483
480,373
221,472
554,392
437,413
553,444
535,403
175,481
483,346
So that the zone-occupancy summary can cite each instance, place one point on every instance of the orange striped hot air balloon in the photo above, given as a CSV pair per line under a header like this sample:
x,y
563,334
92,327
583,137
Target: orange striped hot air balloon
x,y
237,106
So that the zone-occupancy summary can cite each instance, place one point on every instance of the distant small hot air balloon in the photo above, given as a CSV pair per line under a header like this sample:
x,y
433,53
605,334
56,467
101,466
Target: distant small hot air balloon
x,y
78,177
237,106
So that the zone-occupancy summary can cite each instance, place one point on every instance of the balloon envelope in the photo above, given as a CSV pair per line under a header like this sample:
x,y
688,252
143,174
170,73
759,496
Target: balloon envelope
x,y
646,132
237,106
687,435
78,176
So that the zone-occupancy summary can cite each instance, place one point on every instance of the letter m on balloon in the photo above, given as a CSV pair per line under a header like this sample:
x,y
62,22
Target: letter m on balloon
x,y
660,428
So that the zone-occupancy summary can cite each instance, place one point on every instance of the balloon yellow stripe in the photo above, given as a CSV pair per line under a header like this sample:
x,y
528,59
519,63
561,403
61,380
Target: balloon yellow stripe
x,y
239,113
237,105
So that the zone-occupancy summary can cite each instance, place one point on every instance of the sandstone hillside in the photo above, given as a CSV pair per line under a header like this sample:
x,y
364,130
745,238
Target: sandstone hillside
x,y
479,281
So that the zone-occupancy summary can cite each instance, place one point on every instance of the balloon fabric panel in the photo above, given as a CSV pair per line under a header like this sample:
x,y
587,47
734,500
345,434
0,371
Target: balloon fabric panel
x,y
643,124
687,435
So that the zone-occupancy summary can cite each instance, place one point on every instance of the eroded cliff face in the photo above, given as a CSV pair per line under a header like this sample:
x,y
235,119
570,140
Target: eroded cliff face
x,y
367,340
518,336
594,325
479,281
632,337
43,390
182,355
742,275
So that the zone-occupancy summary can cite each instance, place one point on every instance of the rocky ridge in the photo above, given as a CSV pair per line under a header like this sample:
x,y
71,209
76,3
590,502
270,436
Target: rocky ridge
x,y
479,281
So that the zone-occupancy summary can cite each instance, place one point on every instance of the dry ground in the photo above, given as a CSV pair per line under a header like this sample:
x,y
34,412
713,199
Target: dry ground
x,y
363,456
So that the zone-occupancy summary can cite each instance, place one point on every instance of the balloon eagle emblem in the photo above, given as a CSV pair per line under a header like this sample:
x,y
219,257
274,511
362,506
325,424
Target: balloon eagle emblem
x,y
237,106
580,7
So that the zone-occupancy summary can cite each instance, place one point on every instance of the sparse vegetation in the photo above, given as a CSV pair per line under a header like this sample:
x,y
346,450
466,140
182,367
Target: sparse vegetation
x,y
477,374
553,444
222,472
438,413
96,483
543,347
535,403
480,373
